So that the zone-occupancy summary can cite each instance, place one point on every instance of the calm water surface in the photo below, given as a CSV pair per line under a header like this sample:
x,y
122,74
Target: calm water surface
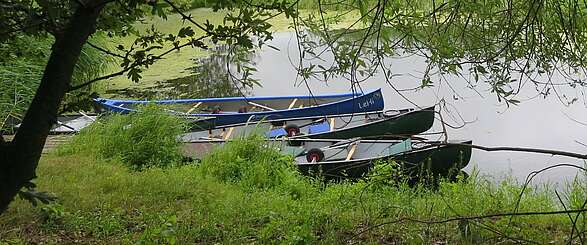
x,y
535,123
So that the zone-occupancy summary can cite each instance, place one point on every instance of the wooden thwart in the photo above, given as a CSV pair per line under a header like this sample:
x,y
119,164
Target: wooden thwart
x,y
229,133
332,121
292,103
261,106
351,152
86,116
194,107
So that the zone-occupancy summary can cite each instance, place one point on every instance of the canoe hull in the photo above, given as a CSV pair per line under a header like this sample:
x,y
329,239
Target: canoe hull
x,y
365,103
368,102
438,160
372,125
402,125
229,104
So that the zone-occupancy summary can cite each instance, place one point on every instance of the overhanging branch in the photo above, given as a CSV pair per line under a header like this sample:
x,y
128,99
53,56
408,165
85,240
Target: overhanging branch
x,y
432,222
136,64
517,149
103,50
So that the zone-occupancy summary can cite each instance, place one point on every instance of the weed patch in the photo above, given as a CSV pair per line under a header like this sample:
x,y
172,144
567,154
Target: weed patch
x,y
142,139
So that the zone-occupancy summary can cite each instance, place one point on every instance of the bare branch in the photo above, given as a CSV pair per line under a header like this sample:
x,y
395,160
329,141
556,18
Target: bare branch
x,y
518,149
103,50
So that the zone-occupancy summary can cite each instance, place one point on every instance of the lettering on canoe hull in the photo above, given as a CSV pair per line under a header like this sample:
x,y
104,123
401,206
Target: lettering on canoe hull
x,y
366,104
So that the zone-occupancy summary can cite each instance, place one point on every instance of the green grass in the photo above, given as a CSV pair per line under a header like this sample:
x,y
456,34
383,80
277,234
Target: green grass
x,y
245,193
142,139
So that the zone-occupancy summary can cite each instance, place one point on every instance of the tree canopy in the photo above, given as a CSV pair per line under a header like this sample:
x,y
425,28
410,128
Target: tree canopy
x,y
501,43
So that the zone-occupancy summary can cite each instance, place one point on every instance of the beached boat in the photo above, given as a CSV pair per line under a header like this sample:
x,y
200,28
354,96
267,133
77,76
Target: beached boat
x,y
372,101
380,124
338,159
227,104
355,159
399,124
70,123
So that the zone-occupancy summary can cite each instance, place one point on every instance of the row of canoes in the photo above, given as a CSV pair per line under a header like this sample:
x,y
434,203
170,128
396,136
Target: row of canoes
x,y
336,135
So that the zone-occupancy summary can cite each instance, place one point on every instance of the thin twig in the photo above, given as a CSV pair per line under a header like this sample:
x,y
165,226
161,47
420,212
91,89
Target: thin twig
x,y
518,149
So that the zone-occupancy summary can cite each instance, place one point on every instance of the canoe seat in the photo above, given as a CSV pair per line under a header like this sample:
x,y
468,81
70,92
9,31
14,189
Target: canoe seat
x,y
276,133
319,128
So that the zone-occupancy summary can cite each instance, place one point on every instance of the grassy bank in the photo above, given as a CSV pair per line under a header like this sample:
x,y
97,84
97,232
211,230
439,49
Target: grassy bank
x,y
246,193
104,202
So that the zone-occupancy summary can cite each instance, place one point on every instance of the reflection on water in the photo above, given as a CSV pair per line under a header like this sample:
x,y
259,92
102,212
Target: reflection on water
x,y
535,123
209,77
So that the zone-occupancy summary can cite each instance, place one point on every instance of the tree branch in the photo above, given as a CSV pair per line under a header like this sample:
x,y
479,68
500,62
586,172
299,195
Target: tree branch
x,y
185,17
136,64
518,149
103,50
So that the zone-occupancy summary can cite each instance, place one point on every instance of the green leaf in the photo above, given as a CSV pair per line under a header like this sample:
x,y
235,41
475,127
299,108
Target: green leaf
x,y
186,32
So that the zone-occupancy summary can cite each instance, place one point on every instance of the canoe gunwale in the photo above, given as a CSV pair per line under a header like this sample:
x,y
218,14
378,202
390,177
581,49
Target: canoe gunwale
x,y
437,160
227,99
372,101
298,118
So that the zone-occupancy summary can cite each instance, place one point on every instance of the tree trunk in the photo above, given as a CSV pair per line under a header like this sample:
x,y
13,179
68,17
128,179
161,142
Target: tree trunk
x,y
19,158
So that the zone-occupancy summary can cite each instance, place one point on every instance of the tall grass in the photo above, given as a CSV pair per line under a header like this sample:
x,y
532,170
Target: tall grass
x,y
142,139
251,164
21,68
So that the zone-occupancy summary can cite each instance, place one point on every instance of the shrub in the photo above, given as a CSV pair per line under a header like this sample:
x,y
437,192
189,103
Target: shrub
x,y
141,139
252,164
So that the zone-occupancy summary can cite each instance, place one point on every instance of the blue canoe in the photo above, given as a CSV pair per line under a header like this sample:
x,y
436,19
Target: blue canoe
x,y
270,108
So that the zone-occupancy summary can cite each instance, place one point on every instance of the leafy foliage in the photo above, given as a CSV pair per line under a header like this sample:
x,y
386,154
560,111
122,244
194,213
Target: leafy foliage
x,y
254,165
504,45
142,139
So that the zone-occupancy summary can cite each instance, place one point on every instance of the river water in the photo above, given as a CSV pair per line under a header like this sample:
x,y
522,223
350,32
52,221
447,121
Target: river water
x,y
535,123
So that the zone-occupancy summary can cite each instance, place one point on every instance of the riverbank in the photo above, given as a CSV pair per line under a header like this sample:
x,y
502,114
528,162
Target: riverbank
x,y
238,197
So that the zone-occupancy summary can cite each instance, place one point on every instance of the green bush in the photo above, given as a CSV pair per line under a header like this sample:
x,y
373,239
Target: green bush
x,y
140,139
252,164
